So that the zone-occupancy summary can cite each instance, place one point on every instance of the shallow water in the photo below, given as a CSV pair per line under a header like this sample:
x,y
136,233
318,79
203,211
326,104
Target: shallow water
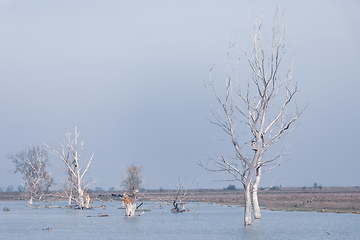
x,y
205,221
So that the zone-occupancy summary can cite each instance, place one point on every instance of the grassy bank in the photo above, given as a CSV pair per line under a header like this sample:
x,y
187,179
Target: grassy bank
x,y
326,199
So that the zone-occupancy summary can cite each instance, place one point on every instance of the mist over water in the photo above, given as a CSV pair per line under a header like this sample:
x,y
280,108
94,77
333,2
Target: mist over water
x,y
204,221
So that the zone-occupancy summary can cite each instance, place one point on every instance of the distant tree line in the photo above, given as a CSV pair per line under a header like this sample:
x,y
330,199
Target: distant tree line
x,y
230,187
12,189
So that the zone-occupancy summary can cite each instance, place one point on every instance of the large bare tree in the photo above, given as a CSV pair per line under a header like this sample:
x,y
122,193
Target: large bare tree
x,y
255,112
31,163
76,168
131,184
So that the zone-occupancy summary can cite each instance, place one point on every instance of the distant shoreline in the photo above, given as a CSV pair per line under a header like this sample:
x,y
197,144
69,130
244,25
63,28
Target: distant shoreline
x,y
326,199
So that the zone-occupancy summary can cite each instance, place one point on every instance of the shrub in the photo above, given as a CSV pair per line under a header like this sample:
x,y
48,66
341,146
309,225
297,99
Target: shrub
x,y
231,187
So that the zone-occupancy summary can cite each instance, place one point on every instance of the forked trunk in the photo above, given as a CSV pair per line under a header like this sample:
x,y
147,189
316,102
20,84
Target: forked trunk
x,y
130,205
247,213
257,213
130,209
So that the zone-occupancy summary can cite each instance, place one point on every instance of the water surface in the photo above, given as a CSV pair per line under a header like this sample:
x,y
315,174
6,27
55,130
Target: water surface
x,y
204,221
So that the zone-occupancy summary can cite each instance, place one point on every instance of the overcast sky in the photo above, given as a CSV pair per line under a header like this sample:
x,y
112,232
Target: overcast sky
x,y
130,74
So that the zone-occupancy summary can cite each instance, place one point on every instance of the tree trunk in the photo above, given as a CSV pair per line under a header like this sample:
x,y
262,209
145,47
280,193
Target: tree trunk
x,y
257,213
130,205
80,198
130,209
247,213
70,197
87,201
30,202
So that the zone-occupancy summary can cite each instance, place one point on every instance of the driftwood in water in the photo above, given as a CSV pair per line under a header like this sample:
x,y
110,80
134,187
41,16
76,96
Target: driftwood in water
x,y
142,210
139,205
99,215
102,206
45,206
103,215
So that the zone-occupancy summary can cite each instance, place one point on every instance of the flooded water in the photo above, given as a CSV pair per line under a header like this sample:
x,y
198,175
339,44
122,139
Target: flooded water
x,y
205,221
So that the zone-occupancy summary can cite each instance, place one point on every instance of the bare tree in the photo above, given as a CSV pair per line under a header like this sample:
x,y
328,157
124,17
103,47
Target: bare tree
x,y
76,168
31,163
131,184
179,197
255,113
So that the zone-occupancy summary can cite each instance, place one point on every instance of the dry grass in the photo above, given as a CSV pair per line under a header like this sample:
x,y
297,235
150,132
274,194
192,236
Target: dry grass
x,y
332,199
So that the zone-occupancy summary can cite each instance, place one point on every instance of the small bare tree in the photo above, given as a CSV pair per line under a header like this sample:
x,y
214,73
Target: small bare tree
x,y
179,197
131,184
76,168
31,163
259,106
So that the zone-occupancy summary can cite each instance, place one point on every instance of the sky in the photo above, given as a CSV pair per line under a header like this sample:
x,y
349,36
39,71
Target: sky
x,y
131,75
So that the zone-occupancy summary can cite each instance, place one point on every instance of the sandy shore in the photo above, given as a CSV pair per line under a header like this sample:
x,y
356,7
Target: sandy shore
x,y
327,199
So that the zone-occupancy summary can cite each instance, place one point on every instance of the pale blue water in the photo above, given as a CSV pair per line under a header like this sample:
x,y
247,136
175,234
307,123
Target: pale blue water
x,y
207,221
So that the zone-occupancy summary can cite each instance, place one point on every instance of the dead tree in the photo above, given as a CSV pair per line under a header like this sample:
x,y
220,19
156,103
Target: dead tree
x,y
70,155
257,110
178,199
131,184
31,163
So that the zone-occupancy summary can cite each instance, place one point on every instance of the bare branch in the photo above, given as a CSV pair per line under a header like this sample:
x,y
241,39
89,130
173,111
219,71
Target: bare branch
x,y
70,156
31,163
